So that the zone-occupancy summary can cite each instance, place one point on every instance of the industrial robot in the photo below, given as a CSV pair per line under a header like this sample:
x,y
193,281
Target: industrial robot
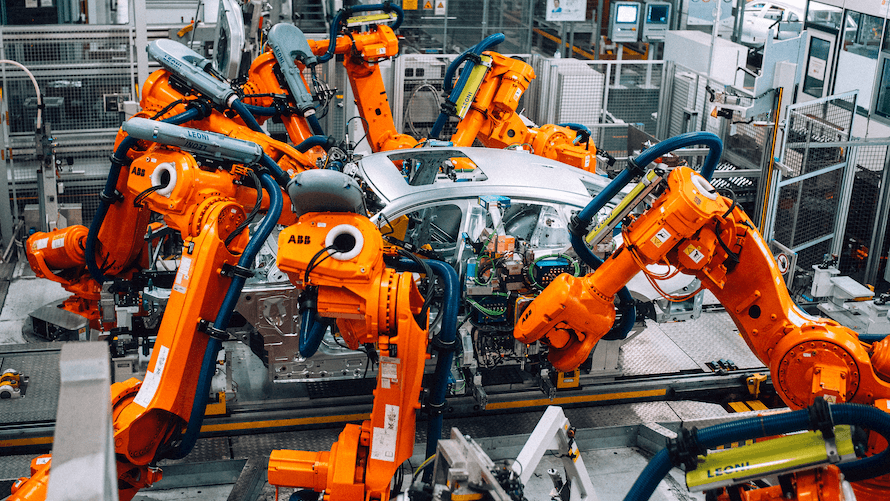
x,y
690,226
333,252
485,99
276,86
181,92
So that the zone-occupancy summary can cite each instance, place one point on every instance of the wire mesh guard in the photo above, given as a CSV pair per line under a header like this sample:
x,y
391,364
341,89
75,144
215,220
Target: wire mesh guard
x,y
807,207
75,74
84,73
859,233
422,79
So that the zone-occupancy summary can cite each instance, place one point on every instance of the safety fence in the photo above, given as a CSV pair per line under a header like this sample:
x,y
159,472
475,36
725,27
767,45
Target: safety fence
x,y
809,199
85,73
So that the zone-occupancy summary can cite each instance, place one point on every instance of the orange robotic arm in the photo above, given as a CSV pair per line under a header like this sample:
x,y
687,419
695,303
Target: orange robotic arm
x,y
150,416
120,245
372,304
702,233
492,117
363,51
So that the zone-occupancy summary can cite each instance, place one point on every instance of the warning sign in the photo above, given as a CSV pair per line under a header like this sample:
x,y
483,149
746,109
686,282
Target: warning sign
x,y
409,4
661,237
428,4
440,8
694,253
782,261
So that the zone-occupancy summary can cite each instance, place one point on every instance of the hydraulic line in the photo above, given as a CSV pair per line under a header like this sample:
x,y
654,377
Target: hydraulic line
x,y
108,195
281,177
268,112
583,131
245,114
343,14
312,141
225,314
445,344
311,332
312,119
261,110
865,416
473,52
634,168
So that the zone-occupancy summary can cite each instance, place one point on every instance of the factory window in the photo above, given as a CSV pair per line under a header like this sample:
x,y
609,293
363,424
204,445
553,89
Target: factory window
x,y
882,106
885,45
814,81
824,17
862,34
857,61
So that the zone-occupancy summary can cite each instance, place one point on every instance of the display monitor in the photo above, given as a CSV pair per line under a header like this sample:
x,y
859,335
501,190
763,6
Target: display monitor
x,y
657,21
627,13
624,21
658,14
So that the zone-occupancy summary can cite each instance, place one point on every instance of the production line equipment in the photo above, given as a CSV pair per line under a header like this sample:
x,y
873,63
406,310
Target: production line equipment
x,y
335,256
282,83
205,178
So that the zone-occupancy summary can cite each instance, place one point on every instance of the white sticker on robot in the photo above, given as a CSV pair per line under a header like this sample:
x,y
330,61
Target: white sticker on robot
x,y
152,379
40,244
384,440
694,254
58,242
389,368
182,276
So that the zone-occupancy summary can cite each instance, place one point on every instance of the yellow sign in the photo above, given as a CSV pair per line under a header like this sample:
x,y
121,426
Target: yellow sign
x,y
428,5
409,4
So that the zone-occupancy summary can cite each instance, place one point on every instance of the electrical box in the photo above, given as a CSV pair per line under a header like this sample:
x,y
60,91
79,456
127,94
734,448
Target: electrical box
x,y
624,23
656,21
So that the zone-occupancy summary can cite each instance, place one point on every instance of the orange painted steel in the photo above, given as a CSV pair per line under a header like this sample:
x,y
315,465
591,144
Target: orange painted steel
x,y
493,120
362,52
372,304
706,235
821,484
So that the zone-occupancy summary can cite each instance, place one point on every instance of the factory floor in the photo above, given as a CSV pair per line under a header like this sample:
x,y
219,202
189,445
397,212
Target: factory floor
x,y
233,467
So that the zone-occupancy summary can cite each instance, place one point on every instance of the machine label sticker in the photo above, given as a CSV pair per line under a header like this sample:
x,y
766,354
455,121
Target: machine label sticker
x,y
152,379
42,460
40,244
389,368
182,276
694,254
58,242
661,237
384,440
